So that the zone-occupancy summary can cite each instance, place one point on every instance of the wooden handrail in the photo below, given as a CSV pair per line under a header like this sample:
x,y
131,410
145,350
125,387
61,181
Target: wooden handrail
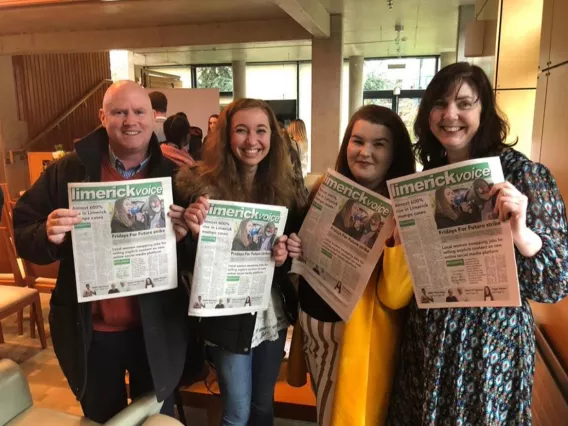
x,y
59,119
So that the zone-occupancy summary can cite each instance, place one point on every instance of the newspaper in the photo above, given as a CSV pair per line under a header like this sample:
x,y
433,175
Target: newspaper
x,y
343,237
125,244
234,266
459,253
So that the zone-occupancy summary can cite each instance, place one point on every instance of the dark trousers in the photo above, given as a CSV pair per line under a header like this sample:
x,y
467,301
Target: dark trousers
x,y
110,356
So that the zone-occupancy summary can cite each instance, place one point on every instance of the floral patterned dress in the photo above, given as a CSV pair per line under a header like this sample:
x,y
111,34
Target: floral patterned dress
x,y
475,366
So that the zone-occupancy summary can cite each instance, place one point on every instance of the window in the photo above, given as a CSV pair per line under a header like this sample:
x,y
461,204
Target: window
x,y
272,81
404,73
220,77
409,76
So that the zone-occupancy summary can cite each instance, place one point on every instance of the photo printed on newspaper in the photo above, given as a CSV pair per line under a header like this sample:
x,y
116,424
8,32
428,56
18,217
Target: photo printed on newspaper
x,y
125,244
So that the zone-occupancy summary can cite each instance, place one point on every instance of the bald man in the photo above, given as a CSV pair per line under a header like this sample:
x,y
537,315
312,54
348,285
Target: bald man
x,y
97,342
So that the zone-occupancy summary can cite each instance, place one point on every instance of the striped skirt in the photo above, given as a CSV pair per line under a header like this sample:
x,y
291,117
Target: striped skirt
x,y
321,346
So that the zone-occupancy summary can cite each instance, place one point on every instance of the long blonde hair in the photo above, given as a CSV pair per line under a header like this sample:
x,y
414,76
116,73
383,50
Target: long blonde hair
x,y
218,174
121,214
298,133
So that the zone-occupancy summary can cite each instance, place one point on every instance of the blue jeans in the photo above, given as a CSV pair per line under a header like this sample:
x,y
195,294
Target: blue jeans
x,y
247,382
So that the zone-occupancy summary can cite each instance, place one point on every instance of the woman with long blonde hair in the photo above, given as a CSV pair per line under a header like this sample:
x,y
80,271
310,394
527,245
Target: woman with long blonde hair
x,y
299,135
246,160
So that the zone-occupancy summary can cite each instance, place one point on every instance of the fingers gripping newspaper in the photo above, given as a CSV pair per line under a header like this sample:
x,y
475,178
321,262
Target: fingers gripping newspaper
x,y
459,253
234,266
343,237
125,244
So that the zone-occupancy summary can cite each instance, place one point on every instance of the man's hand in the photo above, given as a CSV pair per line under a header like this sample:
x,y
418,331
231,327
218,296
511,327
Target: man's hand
x,y
59,222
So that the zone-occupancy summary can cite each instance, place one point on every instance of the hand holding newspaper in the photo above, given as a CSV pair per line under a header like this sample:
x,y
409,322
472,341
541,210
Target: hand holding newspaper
x,y
343,237
234,266
125,244
458,252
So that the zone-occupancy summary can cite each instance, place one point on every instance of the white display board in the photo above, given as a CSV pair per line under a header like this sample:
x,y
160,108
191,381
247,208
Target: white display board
x,y
198,104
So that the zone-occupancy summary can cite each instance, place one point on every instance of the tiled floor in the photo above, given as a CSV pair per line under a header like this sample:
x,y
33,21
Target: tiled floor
x,y
48,385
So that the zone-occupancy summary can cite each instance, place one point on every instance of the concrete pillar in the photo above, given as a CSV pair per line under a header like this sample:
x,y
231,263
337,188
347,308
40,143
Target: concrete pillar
x,y
122,65
356,64
239,80
327,65
447,58
466,15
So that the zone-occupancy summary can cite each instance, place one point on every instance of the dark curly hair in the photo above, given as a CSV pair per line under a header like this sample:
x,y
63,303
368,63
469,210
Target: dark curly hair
x,y
493,127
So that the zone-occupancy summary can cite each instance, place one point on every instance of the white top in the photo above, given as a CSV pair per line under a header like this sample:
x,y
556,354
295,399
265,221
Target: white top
x,y
269,322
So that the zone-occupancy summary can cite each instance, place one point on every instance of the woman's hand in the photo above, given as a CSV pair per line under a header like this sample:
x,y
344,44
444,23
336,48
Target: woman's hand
x,y
294,246
279,251
195,215
180,227
512,205
396,235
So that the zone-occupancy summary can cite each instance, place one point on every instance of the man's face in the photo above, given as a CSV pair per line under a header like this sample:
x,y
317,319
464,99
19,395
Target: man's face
x,y
128,117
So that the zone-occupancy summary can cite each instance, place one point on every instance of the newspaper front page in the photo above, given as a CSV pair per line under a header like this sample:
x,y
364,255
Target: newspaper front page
x,y
343,237
125,244
234,266
459,253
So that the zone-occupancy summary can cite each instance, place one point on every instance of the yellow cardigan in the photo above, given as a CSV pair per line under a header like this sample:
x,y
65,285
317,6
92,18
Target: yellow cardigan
x,y
369,345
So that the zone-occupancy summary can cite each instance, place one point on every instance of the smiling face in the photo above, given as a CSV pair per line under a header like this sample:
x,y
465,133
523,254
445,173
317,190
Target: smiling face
x,y
454,121
250,137
369,153
128,118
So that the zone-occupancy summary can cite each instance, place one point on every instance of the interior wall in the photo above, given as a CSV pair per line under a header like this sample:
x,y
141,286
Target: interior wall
x,y
47,85
550,140
13,132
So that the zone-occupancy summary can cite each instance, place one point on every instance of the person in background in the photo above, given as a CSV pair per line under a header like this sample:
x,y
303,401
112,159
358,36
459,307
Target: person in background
x,y
294,156
96,343
246,160
176,129
195,143
160,106
299,136
211,124
352,364
475,366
